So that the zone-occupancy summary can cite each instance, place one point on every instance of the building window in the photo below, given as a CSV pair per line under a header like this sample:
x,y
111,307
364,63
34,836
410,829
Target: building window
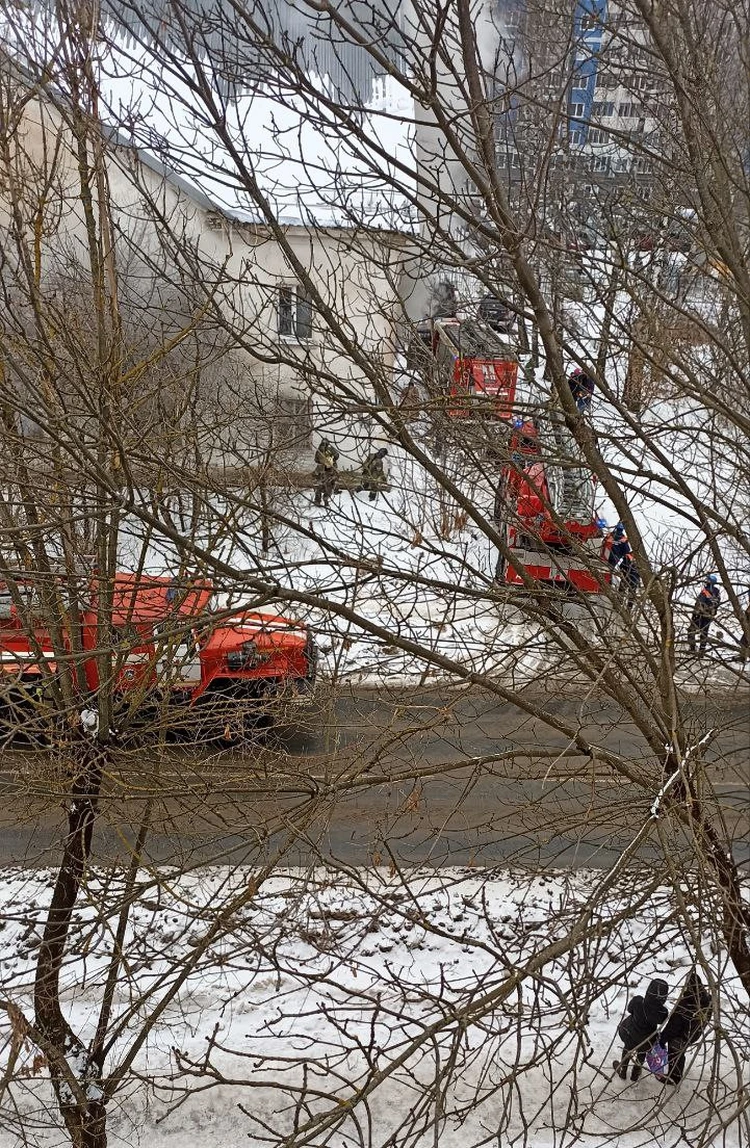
x,y
597,136
577,111
294,310
600,163
576,139
590,21
603,108
628,111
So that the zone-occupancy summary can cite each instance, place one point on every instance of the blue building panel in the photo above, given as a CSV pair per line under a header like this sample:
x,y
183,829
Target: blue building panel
x,y
588,26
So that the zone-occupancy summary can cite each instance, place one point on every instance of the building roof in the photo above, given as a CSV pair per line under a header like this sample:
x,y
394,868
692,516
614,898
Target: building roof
x,y
350,67
277,157
284,159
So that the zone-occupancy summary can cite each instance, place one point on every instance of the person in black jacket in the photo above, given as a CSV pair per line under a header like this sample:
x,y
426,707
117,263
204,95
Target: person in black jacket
x,y
704,612
639,1031
687,1021
630,581
745,636
582,388
619,547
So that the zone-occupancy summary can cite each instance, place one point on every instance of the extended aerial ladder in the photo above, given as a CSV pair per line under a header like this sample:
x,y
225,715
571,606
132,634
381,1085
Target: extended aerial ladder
x,y
545,505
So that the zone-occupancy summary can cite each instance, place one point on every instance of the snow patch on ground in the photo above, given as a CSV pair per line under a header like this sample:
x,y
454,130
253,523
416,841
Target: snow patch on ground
x,y
321,979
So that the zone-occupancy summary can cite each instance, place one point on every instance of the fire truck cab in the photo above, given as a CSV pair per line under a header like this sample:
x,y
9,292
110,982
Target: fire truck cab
x,y
164,642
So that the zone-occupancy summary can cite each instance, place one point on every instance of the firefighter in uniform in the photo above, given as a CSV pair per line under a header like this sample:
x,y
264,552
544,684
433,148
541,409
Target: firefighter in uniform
x,y
630,580
621,559
705,609
373,473
744,641
326,470
619,548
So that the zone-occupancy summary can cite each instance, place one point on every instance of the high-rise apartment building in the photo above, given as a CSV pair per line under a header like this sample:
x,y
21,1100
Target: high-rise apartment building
x,y
582,96
612,124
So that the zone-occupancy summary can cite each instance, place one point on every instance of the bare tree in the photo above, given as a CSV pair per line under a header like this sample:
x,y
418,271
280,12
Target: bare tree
x,y
399,192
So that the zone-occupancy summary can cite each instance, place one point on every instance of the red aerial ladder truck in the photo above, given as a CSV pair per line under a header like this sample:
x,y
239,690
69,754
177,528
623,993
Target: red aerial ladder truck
x,y
170,645
475,365
546,497
545,505
545,509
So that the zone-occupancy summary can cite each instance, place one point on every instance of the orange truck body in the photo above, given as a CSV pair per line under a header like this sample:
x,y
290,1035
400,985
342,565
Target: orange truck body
x,y
164,636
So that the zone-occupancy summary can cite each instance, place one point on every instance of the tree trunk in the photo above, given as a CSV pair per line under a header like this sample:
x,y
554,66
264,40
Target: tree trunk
x,y
70,1070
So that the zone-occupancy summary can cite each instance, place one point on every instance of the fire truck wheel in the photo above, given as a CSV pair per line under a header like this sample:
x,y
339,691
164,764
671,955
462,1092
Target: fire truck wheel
x,y
293,733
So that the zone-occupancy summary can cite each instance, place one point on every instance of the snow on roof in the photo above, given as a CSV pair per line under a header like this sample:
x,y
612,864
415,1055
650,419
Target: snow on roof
x,y
282,158
261,156
223,28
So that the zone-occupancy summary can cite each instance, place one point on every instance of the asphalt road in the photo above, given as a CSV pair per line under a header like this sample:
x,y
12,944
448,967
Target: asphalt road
x,y
349,792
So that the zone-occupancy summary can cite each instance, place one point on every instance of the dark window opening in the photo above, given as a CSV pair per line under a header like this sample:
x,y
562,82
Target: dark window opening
x,y
294,310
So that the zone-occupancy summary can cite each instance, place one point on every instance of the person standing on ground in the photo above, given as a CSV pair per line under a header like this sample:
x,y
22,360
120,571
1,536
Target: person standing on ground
x,y
639,1030
326,470
744,636
373,473
687,1021
706,605
630,580
582,389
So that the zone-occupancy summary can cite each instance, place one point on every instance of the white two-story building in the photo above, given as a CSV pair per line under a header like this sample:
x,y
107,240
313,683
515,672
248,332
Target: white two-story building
x,y
296,296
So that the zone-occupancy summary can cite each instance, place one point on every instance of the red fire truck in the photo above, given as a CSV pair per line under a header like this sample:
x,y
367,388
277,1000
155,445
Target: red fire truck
x,y
545,505
545,510
167,643
476,366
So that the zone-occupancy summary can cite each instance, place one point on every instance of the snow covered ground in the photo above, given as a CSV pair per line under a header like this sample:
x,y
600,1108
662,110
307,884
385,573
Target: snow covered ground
x,y
319,980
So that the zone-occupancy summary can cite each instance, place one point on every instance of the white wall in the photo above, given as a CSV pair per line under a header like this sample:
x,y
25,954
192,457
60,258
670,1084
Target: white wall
x,y
243,266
